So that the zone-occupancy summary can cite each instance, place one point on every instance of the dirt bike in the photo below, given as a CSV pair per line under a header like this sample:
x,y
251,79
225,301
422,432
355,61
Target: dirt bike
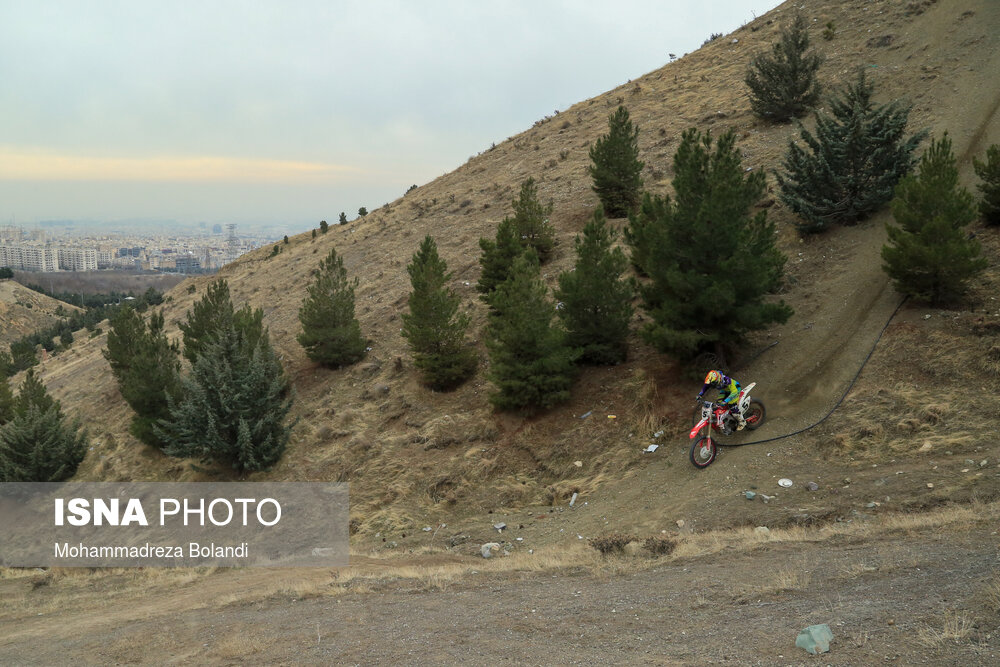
x,y
710,416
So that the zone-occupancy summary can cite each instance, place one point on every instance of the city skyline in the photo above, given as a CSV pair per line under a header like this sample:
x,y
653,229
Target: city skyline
x,y
284,115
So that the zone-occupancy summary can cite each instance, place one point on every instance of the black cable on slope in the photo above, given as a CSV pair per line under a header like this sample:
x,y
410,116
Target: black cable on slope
x,y
842,397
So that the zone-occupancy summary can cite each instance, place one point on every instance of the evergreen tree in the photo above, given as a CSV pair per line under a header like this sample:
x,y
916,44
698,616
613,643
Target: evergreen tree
x,y
314,233
147,368
233,406
930,256
531,221
597,302
434,328
211,314
32,393
362,212
331,334
324,226
6,364
989,174
22,352
710,261
497,257
7,411
531,365
343,218
641,230
852,163
38,444
616,169
783,83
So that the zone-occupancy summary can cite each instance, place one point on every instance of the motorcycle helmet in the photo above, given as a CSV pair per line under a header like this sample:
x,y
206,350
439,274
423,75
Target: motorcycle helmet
x,y
713,377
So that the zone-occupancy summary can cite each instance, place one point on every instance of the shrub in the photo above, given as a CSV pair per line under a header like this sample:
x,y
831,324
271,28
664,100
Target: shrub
x,y
362,212
343,218
611,543
659,545
324,226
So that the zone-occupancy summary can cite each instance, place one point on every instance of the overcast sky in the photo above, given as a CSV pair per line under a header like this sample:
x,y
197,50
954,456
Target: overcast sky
x,y
290,112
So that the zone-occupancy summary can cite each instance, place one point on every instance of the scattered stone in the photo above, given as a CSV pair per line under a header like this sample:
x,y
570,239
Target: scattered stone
x,y
815,639
578,464
930,485
750,495
984,463
762,530
572,501
872,505
970,462
455,540
487,549
500,526
926,447
812,486
426,529
680,523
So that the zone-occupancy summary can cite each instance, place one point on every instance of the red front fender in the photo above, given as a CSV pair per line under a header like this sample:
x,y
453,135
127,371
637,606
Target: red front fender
x,y
694,432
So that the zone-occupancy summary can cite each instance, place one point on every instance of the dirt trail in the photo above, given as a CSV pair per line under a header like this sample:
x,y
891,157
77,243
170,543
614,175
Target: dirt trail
x,y
885,599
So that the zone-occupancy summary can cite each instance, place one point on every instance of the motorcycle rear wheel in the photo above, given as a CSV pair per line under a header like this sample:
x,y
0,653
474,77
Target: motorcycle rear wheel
x,y
755,414
703,452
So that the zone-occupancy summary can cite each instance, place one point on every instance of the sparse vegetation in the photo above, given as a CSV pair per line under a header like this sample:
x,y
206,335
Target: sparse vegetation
x,y
929,255
783,84
659,545
616,169
324,226
853,162
989,176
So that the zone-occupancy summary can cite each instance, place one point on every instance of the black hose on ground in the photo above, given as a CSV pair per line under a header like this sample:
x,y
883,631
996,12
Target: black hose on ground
x,y
842,397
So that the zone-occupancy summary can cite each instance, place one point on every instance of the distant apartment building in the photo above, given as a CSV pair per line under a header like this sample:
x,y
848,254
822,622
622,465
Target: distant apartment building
x,y
187,264
77,259
105,258
29,258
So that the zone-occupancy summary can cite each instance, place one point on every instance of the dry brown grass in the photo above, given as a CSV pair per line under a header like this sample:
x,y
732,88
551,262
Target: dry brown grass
x,y
956,626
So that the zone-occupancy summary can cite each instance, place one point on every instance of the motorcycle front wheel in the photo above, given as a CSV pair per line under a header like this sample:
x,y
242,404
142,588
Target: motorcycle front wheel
x,y
703,452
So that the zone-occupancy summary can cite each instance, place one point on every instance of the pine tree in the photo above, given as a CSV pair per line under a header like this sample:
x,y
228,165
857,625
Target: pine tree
x,y
989,174
531,221
616,169
331,334
233,406
930,256
146,366
853,162
324,226
498,257
531,365
783,83
343,218
434,328
641,230
6,401
596,301
38,444
212,313
362,212
710,261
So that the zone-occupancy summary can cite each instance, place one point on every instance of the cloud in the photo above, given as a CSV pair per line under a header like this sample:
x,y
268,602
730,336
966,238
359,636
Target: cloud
x,y
18,164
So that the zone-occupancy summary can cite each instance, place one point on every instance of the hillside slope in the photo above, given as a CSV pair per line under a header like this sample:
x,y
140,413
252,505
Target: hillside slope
x,y
415,457
24,311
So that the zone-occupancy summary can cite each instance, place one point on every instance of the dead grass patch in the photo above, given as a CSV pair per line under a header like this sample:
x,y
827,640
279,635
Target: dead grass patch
x,y
956,626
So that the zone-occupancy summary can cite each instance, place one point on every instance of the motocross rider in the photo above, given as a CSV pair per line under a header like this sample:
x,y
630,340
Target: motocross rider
x,y
729,394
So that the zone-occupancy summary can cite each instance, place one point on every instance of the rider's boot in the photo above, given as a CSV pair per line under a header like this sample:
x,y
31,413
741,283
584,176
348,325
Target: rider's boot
x,y
740,421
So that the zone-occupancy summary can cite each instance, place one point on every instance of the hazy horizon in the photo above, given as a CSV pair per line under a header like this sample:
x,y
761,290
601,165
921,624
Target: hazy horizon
x,y
286,114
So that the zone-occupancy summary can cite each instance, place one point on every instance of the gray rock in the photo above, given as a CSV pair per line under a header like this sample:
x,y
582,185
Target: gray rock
x,y
487,549
762,530
812,486
500,527
815,639
750,495
455,540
